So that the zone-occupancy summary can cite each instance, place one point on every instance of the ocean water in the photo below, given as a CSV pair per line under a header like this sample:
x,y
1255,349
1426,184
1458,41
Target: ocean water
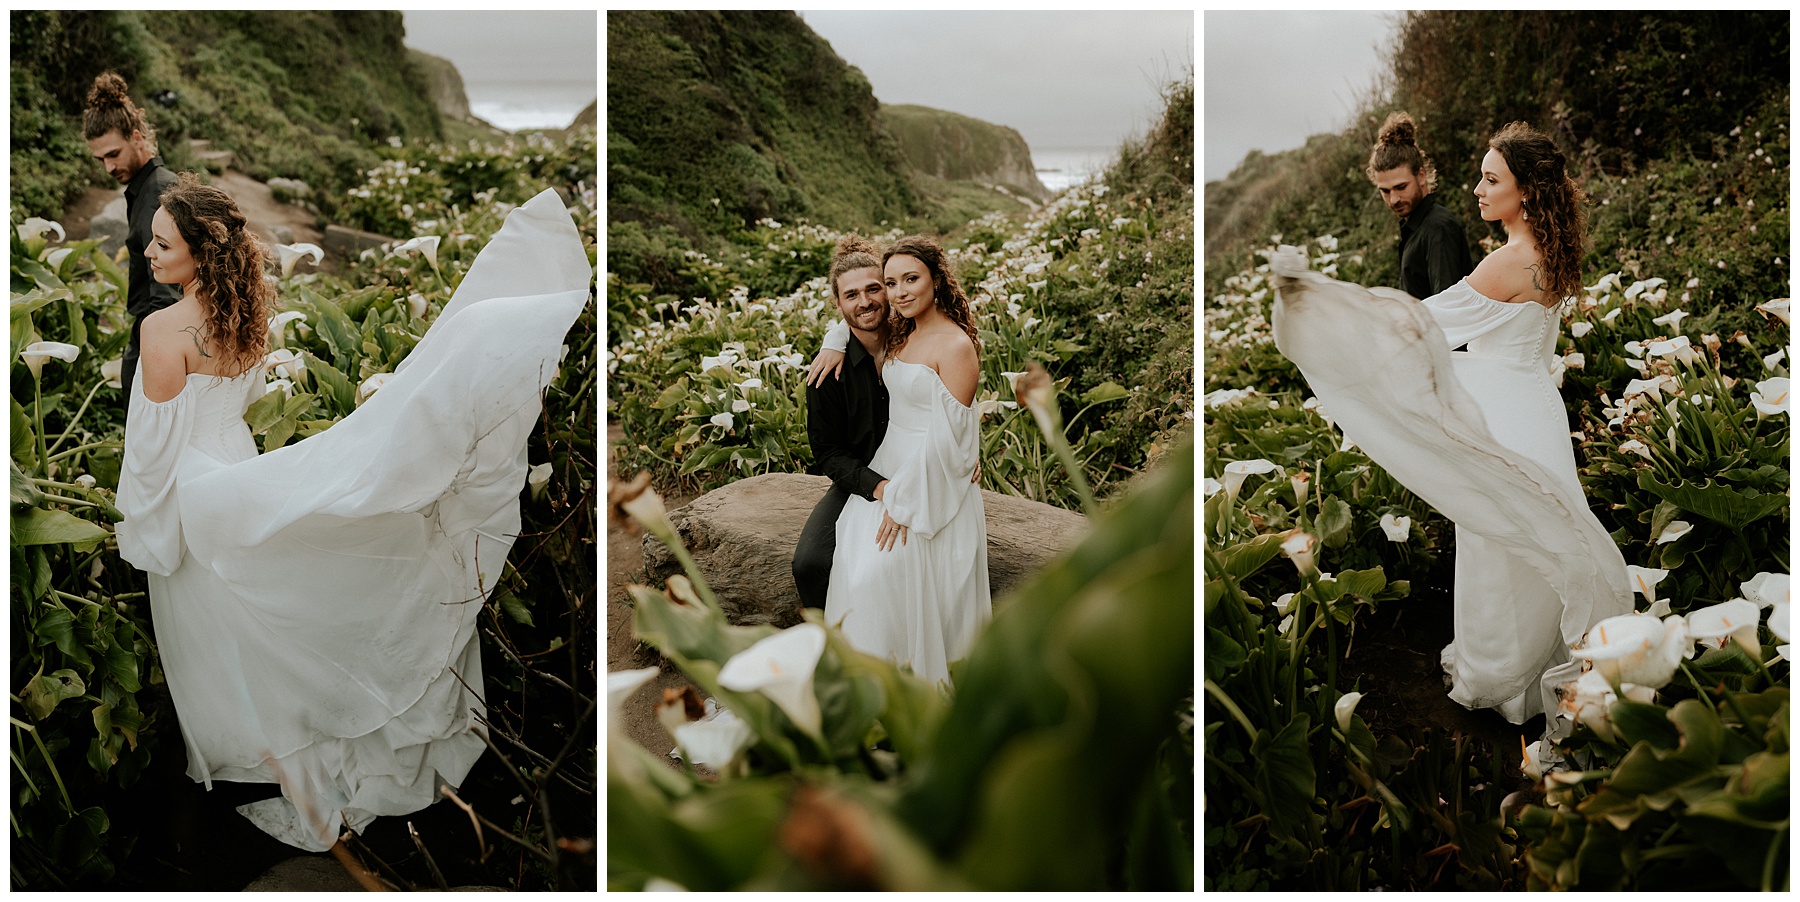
x,y
515,105
1062,167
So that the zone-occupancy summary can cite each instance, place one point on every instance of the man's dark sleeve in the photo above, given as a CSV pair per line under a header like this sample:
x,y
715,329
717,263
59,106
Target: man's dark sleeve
x,y
827,430
1446,254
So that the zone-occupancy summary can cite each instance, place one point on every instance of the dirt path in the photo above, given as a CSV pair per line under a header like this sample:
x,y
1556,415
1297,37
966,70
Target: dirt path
x,y
624,566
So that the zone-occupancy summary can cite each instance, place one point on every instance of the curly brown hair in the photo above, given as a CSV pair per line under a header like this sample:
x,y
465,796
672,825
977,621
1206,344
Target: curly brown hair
x,y
1397,145
109,109
853,252
228,265
947,292
1552,201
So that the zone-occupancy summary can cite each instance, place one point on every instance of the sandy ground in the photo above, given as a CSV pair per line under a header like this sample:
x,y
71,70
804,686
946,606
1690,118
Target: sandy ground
x,y
624,566
253,197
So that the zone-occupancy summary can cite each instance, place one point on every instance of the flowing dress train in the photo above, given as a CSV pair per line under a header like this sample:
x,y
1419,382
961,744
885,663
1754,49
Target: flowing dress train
x,y
1482,436
315,606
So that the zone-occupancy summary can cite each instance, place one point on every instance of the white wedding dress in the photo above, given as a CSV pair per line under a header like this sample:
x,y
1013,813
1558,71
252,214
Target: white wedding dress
x,y
922,603
1482,436
315,607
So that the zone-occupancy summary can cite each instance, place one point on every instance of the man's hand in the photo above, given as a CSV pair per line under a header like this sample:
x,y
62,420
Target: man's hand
x,y
828,363
977,477
876,494
884,537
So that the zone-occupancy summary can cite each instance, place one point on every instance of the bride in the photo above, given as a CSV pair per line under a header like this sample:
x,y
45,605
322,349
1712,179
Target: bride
x,y
1481,435
315,606
910,579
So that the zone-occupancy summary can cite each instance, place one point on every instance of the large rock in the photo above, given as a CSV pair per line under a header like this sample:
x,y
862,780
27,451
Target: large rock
x,y
343,243
110,227
742,537
955,147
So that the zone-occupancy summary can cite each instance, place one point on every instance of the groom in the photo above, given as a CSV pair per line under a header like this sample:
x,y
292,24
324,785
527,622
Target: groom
x,y
122,140
846,417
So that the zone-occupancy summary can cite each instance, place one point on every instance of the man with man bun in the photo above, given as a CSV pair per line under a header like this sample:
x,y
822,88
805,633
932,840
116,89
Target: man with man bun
x,y
1434,250
123,141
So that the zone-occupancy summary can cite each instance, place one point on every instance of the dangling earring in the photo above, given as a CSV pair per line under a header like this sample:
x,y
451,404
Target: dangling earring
x,y
1526,211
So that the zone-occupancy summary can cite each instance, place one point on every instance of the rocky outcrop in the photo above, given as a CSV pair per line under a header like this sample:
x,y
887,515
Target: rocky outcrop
x,y
960,148
443,84
742,537
111,227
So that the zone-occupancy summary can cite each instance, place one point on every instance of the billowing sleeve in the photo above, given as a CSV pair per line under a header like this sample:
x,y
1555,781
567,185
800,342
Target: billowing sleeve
x,y
155,432
930,487
1464,314
837,338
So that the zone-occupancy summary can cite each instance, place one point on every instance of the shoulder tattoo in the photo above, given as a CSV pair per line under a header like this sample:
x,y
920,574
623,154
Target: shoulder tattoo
x,y
199,342
1536,270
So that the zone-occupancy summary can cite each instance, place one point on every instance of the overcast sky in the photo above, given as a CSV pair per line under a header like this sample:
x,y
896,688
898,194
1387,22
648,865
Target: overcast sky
x,y
1062,79
511,46
1273,79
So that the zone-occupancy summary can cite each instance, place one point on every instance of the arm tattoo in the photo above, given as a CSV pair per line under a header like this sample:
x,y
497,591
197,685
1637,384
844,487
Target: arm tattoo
x,y
1534,276
198,344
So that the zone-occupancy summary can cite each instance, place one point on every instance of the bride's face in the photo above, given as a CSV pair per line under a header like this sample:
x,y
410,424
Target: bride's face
x,y
1498,191
170,261
910,288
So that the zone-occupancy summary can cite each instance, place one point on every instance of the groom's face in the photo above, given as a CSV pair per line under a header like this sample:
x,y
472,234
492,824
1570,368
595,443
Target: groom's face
x,y
121,155
862,299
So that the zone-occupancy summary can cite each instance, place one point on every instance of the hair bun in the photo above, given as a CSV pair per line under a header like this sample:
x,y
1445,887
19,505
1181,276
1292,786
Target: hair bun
x,y
854,243
109,90
1399,129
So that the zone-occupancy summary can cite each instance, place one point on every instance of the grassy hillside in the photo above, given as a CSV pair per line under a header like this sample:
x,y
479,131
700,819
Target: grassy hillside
x,y
298,94
953,146
1677,123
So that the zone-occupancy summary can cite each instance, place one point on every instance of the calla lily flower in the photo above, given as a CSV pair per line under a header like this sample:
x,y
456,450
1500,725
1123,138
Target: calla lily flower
x,y
1575,360
1668,348
1301,548
781,668
537,478
1766,589
1636,447
1284,604
278,325
285,362
1577,330
113,371
619,687
1770,397
1238,470
638,501
1636,648
1300,483
1398,529
56,257
424,244
1672,319
371,385
1634,348
715,740
1643,580
1589,701
750,383
740,405
1673,531
34,227
416,305
1539,758
1777,308
1735,619
1037,392
282,385
1771,361
291,254
723,421
43,349
1651,387
1345,707
1208,486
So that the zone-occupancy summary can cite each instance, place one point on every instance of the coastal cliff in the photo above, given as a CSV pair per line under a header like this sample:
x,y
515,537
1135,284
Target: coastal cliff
x,y
955,147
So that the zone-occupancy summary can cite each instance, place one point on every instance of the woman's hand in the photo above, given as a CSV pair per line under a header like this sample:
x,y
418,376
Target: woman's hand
x,y
828,363
884,537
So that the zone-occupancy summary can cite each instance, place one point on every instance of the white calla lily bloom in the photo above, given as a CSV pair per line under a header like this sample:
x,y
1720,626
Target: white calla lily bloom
x,y
416,305
715,740
619,687
1589,700
285,362
723,420
781,668
1207,486
1238,470
1777,308
537,478
1643,580
34,227
281,385
1577,330
1636,447
1735,619
1766,589
1770,397
1301,548
371,385
1672,319
113,370
1774,360
41,350
424,244
1673,531
292,253
1345,707
1636,648
1651,387
1398,529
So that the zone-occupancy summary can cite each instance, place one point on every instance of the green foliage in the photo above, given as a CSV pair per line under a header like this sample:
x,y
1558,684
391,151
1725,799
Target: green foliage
x,y
90,710
1063,759
300,94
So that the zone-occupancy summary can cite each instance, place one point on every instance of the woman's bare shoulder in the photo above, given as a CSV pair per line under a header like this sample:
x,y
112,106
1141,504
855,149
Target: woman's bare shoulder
x,y
1511,275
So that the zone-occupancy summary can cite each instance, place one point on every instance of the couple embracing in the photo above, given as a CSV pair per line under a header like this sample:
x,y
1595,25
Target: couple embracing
x,y
896,551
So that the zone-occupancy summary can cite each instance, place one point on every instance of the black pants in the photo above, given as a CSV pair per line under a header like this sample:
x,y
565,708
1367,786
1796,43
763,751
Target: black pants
x,y
817,546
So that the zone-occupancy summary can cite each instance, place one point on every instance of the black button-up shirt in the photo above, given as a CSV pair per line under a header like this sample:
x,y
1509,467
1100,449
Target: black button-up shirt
x,y
846,419
144,295
1434,252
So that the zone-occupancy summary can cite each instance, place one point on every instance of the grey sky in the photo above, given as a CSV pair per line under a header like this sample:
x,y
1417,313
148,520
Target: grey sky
x,y
1062,79
511,46
1273,79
